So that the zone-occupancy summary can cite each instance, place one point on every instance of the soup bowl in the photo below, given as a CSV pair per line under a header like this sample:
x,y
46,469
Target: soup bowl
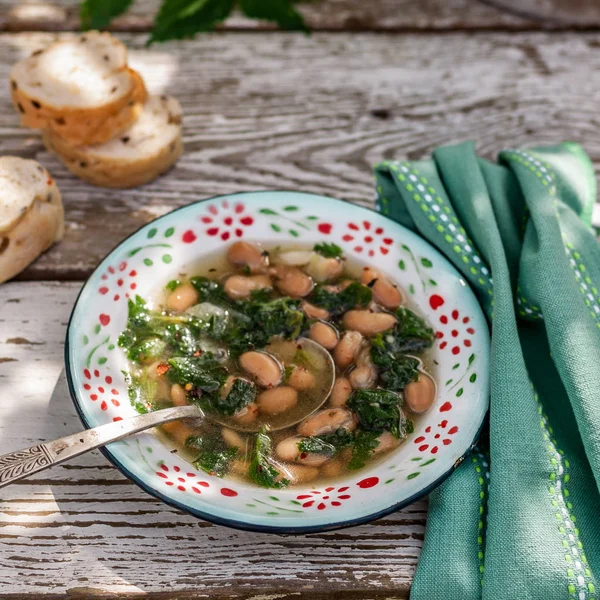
x,y
96,367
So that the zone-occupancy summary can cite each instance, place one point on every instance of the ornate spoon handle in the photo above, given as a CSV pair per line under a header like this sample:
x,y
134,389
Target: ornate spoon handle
x,y
22,463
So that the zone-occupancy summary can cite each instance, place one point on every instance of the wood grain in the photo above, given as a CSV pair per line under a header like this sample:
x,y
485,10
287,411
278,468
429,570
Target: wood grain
x,y
328,15
313,114
81,528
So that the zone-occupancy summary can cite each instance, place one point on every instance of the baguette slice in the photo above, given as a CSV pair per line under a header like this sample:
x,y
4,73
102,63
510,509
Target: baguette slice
x,y
84,127
146,150
31,213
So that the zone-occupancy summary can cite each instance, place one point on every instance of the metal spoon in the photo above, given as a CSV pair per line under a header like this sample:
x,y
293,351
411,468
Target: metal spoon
x,y
22,463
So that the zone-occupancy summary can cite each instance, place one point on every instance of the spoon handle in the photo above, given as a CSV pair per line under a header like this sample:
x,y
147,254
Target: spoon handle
x,y
25,462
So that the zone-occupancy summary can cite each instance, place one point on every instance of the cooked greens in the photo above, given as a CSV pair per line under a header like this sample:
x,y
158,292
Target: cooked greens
x,y
356,295
213,457
328,250
261,470
380,410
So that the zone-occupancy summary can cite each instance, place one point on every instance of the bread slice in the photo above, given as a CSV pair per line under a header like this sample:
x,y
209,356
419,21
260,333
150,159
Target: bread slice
x,y
31,213
83,127
80,87
147,149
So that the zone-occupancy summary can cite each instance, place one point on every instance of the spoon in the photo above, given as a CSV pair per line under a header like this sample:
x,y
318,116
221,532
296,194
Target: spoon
x,y
23,463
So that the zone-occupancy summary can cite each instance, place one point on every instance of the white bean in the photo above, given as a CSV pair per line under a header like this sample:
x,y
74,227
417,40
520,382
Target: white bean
x,y
324,334
291,281
301,379
232,438
386,442
289,451
297,473
419,395
347,349
247,415
314,312
332,468
178,395
277,400
323,269
384,291
262,367
238,287
327,421
363,377
368,323
245,254
340,393
182,297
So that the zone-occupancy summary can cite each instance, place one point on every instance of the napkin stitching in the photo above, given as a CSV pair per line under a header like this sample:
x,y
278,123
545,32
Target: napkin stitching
x,y
584,281
578,571
481,464
440,213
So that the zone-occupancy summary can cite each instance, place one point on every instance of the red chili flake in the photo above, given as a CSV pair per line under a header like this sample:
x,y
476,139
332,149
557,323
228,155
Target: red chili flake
x,y
50,181
162,369
198,353
303,455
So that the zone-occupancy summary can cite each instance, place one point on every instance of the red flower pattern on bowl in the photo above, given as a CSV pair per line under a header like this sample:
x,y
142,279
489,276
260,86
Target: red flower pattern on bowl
x,y
367,238
187,480
328,497
99,388
226,220
117,281
442,436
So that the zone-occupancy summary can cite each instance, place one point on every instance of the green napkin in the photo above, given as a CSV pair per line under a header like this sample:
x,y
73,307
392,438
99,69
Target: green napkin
x,y
526,522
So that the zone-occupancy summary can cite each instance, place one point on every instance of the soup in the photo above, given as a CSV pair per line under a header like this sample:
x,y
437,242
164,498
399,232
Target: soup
x,y
307,366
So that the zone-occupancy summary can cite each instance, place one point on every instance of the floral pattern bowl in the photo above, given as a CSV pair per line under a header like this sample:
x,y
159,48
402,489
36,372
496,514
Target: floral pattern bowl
x,y
151,256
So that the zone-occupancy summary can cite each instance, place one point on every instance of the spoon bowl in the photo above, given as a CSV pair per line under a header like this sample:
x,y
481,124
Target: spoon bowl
x,y
284,351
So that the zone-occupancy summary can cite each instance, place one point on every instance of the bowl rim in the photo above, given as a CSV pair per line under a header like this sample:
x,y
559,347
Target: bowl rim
x,y
233,523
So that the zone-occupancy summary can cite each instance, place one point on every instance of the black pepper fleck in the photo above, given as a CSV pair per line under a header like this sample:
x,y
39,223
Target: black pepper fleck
x,y
36,104
125,139
37,53
13,83
20,106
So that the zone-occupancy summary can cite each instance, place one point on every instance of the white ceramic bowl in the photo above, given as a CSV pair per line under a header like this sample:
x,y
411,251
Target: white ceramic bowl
x,y
155,253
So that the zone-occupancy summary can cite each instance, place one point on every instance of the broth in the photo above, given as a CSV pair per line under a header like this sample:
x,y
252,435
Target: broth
x,y
207,340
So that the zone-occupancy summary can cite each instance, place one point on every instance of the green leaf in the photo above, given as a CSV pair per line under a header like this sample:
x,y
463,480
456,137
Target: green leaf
x,y
169,232
432,282
290,208
180,19
328,250
86,340
293,232
402,265
413,475
356,295
428,462
405,247
261,469
281,12
426,262
459,393
471,358
275,227
102,360
148,262
172,285
411,288
379,410
473,378
267,211
97,14
152,233
365,443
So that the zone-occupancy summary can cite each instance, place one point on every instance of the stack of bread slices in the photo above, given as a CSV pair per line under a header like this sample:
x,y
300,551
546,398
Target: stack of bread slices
x,y
95,113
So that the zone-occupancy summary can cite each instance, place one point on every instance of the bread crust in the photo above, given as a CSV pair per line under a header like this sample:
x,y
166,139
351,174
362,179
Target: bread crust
x,y
84,126
35,223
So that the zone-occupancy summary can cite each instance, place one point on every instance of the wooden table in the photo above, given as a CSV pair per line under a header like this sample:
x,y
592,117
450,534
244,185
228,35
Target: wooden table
x,y
263,110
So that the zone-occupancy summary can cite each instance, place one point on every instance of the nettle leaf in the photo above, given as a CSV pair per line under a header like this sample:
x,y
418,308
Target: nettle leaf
x,y
97,14
281,12
180,19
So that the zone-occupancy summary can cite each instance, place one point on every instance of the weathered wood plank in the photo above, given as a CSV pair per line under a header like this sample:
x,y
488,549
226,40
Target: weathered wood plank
x,y
81,528
330,15
313,114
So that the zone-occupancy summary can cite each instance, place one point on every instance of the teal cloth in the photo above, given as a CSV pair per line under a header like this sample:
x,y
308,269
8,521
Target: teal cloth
x,y
524,523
